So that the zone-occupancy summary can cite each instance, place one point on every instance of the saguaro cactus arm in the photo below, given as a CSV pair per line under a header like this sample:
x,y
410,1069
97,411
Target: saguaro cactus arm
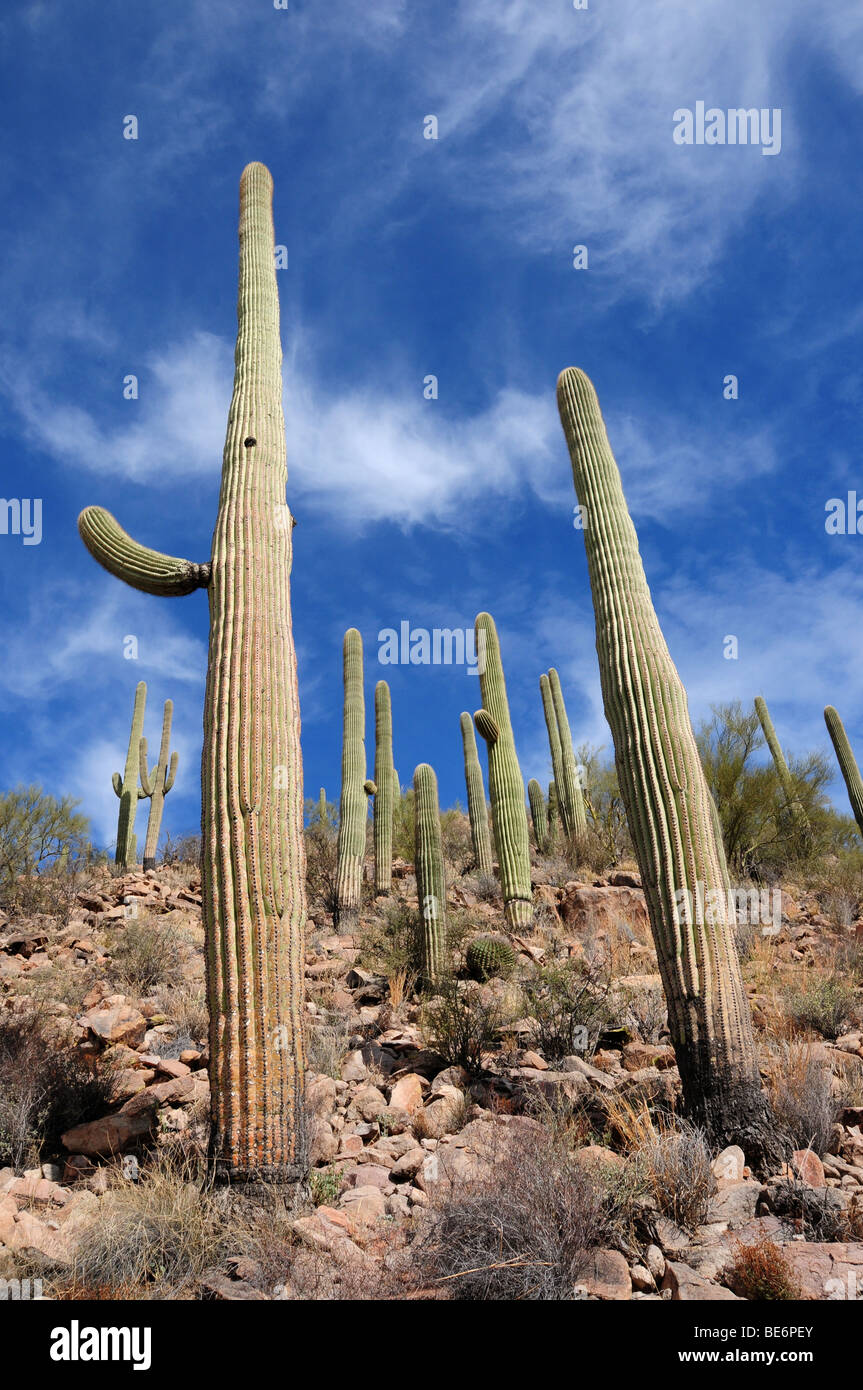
x,y
476,803
137,565
847,763
667,804
782,770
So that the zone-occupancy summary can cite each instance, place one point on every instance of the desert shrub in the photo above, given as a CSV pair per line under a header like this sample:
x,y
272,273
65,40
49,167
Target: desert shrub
x,y
145,953
42,842
825,1004
675,1164
181,850
463,1023
816,1212
327,1041
525,1232
325,1184
645,1011
391,942
485,886
569,1006
43,1091
321,865
760,1272
800,1086
185,1005
404,829
456,840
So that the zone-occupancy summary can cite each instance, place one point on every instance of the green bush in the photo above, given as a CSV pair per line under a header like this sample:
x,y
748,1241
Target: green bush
x,y
43,843
824,1004
463,1023
569,1005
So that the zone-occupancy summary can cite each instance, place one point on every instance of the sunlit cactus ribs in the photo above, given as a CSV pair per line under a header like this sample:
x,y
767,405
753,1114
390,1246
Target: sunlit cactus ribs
x,y
384,783
506,785
847,763
254,898
786,781
477,809
667,804
156,784
553,814
127,789
538,815
489,956
353,810
431,877
568,779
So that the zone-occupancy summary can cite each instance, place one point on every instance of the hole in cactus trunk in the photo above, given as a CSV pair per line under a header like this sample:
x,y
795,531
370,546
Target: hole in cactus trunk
x,y
249,443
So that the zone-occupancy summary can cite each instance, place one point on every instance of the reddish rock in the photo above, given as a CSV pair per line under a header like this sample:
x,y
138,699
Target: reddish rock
x,y
607,1276
118,1024
110,1135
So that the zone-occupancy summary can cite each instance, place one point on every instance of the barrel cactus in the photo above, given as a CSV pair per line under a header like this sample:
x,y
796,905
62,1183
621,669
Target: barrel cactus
x,y
489,957
157,783
506,785
254,872
847,763
384,783
477,809
431,877
667,804
127,789
353,811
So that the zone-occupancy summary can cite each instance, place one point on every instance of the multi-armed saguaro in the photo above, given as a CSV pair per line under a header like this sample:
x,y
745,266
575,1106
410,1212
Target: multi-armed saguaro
x,y
353,810
431,877
476,808
251,776
384,789
156,784
682,861
506,785
127,787
847,763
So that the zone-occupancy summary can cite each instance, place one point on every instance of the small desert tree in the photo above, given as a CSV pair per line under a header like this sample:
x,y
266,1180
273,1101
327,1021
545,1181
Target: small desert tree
x,y
37,833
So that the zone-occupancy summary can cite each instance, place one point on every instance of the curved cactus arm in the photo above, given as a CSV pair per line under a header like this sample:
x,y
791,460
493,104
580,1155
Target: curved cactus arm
x,y
148,779
664,790
847,763
172,772
369,787
137,565
486,726
117,783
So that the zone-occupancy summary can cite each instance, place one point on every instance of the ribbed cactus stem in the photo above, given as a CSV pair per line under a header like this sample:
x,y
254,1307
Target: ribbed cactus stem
x,y
783,772
568,779
847,763
128,790
667,802
553,814
254,902
157,784
353,809
384,776
538,815
554,745
323,816
477,809
431,879
506,785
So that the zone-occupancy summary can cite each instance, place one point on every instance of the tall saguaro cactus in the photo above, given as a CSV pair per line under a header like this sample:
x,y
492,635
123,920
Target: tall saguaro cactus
x,y
476,805
384,783
157,784
431,878
847,763
353,809
127,787
251,776
553,814
786,781
568,780
667,803
506,785
538,815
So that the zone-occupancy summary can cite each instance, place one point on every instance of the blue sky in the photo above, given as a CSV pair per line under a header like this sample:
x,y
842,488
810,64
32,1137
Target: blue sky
x,y
410,257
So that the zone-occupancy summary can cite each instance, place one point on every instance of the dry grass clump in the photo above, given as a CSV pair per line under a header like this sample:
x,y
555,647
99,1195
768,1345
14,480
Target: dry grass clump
x,y
800,1083
760,1272
670,1156
145,954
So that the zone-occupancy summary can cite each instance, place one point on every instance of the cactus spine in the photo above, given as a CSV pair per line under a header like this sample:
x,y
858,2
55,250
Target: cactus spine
x,y
353,810
667,804
506,785
786,781
384,781
251,775
847,763
477,809
431,881
538,815
568,779
127,789
157,784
